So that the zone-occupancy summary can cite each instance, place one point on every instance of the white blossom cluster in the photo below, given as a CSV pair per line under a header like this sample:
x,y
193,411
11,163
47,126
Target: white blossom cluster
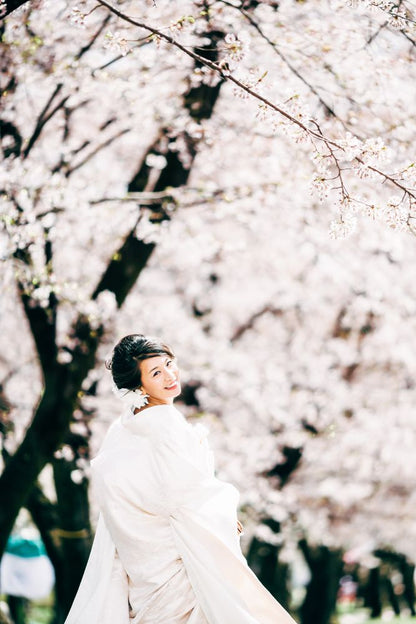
x,y
400,15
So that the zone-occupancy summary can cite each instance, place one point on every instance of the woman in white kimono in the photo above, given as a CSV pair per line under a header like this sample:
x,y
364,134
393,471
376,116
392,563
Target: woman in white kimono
x,y
166,550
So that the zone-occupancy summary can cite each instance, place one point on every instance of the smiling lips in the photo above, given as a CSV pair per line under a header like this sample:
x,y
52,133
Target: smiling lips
x,y
172,387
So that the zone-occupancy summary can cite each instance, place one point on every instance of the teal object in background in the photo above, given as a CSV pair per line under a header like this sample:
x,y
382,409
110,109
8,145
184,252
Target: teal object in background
x,y
25,569
26,548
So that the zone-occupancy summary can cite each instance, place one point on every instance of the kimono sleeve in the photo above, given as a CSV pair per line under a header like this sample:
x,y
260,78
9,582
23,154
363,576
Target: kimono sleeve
x,y
101,575
115,607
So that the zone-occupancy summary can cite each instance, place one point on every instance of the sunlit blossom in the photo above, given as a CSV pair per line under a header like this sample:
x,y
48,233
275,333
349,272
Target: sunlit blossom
x,y
343,226
116,42
77,16
236,46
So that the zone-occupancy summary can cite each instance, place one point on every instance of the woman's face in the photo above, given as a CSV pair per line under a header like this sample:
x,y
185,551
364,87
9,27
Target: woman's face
x,y
160,379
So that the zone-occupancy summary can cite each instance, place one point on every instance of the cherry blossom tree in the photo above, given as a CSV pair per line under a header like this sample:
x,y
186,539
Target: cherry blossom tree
x,y
159,161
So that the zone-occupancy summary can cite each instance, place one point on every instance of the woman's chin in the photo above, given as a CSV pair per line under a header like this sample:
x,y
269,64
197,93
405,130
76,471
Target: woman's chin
x,y
175,391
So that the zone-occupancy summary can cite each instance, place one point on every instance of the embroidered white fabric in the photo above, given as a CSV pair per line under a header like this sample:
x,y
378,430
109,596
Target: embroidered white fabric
x,y
167,547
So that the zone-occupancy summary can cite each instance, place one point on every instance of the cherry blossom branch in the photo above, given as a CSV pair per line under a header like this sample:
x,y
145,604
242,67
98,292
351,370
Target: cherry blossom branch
x,y
222,69
386,177
405,34
217,67
149,198
119,57
280,54
376,33
398,15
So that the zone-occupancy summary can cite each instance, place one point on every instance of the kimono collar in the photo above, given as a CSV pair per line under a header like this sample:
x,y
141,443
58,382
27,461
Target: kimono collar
x,y
157,421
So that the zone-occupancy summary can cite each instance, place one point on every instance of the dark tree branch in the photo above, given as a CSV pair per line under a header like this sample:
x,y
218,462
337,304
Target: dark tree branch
x,y
12,5
95,151
94,38
249,324
376,33
119,57
125,267
405,34
42,323
46,114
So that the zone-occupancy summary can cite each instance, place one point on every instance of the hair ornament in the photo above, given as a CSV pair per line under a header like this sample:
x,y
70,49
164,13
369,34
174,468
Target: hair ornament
x,y
135,398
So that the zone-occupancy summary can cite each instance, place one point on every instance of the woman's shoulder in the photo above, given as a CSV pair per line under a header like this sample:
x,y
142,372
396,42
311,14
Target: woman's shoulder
x,y
155,422
117,448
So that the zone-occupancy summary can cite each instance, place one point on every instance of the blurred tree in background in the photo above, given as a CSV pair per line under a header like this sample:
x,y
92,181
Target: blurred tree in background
x,y
191,178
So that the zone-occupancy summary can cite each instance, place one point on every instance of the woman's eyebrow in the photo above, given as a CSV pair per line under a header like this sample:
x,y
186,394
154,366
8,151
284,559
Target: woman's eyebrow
x,y
159,365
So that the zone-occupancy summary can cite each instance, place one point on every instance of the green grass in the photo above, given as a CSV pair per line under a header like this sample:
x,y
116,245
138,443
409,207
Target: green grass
x,y
395,620
40,612
362,616
39,615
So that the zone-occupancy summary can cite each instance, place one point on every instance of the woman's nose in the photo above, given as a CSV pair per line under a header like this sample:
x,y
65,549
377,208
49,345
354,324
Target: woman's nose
x,y
169,373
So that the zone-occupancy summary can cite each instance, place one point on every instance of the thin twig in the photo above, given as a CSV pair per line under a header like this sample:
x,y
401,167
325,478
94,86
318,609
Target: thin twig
x,y
99,147
280,54
89,45
44,117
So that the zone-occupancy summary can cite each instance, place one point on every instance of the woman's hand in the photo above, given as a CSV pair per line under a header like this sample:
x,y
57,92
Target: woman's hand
x,y
240,528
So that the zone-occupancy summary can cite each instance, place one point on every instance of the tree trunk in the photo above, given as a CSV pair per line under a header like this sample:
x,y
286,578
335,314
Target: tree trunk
x,y
263,559
373,593
52,417
36,450
45,516
74,528
18,609
321,593
393,599
408,573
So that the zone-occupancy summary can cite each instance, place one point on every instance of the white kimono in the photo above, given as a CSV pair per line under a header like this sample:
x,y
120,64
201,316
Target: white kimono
x,y
166,550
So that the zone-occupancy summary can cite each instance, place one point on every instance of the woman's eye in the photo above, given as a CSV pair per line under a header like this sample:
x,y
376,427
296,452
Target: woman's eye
x,y
156,373
169,362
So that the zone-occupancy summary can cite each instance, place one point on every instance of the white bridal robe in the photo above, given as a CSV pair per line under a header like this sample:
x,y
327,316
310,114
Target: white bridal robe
x,y
166,549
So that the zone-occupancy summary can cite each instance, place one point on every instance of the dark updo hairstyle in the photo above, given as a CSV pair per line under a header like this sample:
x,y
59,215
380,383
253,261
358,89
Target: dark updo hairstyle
x,y
127,355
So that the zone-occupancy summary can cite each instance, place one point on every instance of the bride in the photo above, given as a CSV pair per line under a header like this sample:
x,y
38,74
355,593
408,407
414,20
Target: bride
x,y
166,549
